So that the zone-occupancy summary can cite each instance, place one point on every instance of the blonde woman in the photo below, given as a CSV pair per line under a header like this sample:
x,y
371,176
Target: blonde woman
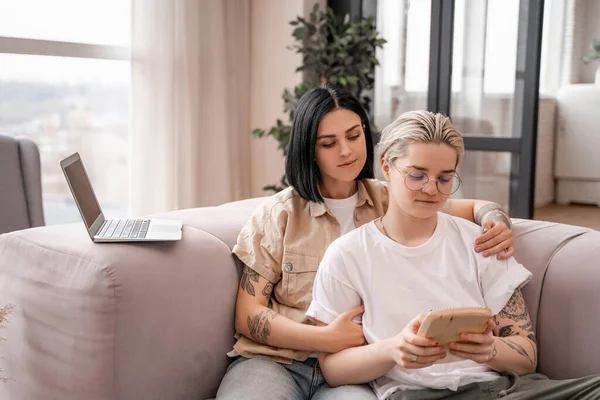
x,y
414,259
330,169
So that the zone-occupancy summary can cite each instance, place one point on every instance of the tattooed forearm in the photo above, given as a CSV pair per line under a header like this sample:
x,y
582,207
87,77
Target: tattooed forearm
x,y
528,326
267,290
260,325
248,276
515,309
531,337
485,210
505,331
492,212
499,216
513,321
518,348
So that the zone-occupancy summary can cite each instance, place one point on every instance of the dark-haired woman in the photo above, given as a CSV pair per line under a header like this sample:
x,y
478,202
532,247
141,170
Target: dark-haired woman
x,y
329,166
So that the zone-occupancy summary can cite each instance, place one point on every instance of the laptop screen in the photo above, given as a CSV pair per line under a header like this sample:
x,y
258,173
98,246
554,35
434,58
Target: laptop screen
x,y
83,192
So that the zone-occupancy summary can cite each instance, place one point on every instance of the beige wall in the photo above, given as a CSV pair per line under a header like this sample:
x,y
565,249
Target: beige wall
x,y
272,70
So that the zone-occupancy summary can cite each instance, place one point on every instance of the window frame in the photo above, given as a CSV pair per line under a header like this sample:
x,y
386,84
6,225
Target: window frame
x,y
38,47
70,50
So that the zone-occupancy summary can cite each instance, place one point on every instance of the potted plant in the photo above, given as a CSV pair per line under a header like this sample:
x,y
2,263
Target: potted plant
x,y
594,55
335,51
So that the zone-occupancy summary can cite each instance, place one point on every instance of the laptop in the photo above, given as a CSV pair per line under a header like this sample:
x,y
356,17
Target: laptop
x,y
112,230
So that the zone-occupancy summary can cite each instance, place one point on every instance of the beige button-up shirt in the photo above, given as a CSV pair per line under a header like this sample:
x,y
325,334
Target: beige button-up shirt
x,y
284,241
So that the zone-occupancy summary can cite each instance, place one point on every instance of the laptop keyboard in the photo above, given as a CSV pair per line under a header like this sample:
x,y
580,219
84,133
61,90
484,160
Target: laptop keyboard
x,y
124,229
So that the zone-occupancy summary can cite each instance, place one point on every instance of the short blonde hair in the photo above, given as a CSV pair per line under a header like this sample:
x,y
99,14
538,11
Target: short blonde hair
x,y
418,127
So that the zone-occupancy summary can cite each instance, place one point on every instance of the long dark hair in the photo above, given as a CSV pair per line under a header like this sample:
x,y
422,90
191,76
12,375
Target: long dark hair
x,y
301,169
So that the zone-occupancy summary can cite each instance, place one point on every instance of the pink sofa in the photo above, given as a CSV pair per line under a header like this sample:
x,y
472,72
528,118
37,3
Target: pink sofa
x,y
154,321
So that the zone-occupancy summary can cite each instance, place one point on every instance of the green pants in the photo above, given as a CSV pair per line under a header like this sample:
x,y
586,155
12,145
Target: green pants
x,y
513,387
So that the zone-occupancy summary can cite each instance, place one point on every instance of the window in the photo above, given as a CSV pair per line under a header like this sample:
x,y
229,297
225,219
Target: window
x,y
500,43
418,27
65,83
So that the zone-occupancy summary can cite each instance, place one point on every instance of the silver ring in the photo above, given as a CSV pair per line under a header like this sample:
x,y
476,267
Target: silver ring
x,y
414,359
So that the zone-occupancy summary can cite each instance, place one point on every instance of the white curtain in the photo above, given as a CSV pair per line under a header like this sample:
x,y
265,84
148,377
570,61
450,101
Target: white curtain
x,y
190,128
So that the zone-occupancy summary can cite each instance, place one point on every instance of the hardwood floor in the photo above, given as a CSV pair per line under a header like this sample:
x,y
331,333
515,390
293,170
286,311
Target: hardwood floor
x,y
588,216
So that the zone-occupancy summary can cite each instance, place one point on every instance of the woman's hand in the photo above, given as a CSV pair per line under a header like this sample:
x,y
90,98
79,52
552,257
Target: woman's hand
x,y
343,333
477,347
497,239
412,351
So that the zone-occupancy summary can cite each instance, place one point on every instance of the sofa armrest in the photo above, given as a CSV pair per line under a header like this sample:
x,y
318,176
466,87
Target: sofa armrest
x,y
568,314
115,321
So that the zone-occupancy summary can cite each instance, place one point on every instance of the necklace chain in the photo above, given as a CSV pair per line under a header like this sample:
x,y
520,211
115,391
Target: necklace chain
x,y
383,228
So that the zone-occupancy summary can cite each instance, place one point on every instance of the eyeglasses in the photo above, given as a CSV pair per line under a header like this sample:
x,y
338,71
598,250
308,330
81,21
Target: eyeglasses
x,y
446,185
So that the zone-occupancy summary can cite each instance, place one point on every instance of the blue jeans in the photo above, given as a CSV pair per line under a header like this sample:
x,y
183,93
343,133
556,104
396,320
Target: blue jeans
x,y
264,379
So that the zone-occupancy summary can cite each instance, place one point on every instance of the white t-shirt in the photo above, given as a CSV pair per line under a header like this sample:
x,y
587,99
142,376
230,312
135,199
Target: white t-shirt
x,y
396,283
343,210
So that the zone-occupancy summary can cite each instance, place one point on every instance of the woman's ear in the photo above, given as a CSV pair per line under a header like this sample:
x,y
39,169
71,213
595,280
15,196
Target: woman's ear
x,y
385,169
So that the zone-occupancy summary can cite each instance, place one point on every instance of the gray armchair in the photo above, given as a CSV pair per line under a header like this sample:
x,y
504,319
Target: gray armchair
x,y
20,184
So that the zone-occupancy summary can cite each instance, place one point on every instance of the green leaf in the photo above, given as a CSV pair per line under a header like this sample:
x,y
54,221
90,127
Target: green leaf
x,y
300,33
258,133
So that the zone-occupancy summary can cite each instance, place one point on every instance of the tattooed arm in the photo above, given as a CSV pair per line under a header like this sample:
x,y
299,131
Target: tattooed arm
x,y
497,235
497,238
253,317
255,320
491,212
474,210
514,339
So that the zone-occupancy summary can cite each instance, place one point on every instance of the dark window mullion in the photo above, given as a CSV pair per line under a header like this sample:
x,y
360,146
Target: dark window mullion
x,y
477,143
440,56
525,107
